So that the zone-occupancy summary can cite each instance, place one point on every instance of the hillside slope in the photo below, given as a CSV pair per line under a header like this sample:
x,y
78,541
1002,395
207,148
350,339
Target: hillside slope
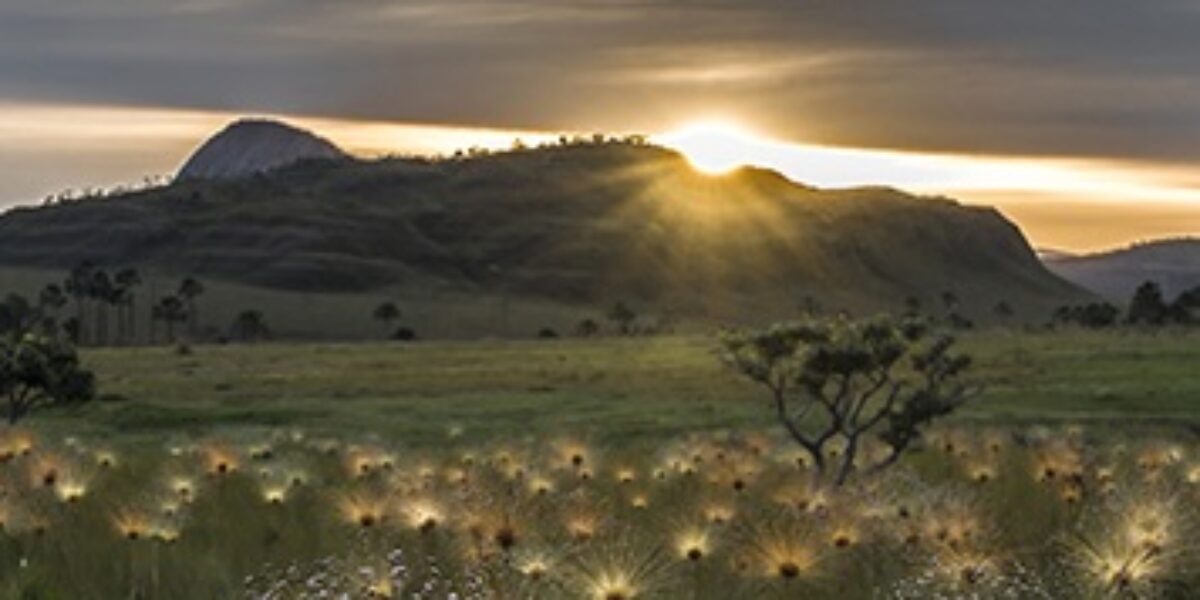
x,y
1174,264
584,224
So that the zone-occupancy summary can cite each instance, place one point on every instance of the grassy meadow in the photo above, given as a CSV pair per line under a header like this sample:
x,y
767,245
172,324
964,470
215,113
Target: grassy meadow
x,y
611,468
611,388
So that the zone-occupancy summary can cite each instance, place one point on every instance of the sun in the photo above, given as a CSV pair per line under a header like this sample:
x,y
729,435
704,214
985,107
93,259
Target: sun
x,y
713,147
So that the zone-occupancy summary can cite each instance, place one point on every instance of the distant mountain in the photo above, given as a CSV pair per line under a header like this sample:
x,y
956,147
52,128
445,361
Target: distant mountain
x,y
581,224
1174,264
247,147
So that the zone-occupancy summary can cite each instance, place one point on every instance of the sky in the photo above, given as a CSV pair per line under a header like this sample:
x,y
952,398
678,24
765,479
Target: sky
x,y
1079,120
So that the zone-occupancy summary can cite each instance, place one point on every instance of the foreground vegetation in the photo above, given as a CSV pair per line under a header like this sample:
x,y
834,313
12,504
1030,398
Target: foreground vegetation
x,y
1021,513
608,468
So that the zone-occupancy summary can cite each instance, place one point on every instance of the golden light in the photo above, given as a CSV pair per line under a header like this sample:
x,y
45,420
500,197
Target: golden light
x,y
714,147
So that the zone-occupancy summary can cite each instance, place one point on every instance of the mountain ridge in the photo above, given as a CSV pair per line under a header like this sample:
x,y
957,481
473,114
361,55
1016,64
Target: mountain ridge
x,y
1174,263
581,223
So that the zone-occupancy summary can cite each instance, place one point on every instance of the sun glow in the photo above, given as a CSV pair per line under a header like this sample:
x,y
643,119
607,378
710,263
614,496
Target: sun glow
x,y
714,147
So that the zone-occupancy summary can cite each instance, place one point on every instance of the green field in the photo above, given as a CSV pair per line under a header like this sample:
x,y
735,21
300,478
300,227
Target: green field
x,y
612,468
612,387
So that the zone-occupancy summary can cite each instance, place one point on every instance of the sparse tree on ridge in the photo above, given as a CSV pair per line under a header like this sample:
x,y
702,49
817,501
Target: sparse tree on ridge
x,y
387,313
841,380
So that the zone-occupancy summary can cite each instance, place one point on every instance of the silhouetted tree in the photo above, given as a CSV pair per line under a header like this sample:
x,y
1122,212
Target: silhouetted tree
x,y
387,313
103,295
623,317
127,281
51,300
171,311
17,316
840,380
1147,306
39,370
587,328
78,286
249,326
190,289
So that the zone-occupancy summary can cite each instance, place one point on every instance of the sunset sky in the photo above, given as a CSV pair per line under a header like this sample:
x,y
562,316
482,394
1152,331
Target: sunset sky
x,y
1080,120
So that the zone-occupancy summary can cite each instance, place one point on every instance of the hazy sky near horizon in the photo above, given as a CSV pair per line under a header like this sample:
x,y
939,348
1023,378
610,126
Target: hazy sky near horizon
x,y
1088,113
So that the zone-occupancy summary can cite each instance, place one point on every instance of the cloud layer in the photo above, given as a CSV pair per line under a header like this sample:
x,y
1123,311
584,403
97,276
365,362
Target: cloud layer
x,y
1104,78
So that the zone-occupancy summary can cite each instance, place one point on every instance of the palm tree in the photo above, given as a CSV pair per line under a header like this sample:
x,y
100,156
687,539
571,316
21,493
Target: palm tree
x,y
103,293
128,279
387,313
78,285
189,289
51,300
249,326
172,310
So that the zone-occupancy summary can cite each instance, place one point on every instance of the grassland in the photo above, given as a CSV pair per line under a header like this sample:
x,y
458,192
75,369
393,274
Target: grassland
x,y
611,387
613,468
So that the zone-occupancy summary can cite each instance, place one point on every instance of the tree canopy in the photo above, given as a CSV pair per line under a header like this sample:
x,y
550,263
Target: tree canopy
x,y
839,380
39,370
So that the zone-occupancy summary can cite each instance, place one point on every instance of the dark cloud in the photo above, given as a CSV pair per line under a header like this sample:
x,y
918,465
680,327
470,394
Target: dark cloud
x,y
1111,78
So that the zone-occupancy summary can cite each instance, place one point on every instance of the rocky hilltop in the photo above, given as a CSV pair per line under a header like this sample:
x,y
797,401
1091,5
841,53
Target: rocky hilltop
x,y
254,146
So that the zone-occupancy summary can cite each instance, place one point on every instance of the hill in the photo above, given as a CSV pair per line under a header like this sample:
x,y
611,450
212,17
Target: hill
x,y
578,225
1174,264
249,146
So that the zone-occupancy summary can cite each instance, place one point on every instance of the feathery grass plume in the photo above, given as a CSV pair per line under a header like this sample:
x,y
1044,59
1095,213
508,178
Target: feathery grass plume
x,y
736,471
362,461
573,456
275,484
694,542
782,547
15,442
1157,456
620,569
719,508
1135,545
73,482
363,508
421,513
801,494
105,458
44,468
1058,460
538,484
132,523
219,459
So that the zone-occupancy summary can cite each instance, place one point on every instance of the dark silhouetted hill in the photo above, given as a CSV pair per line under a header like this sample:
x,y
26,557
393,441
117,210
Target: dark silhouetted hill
x,y
1174,264
585,224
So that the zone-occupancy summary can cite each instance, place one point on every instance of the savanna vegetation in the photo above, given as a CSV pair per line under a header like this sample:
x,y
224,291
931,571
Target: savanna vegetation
x,y
913,457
